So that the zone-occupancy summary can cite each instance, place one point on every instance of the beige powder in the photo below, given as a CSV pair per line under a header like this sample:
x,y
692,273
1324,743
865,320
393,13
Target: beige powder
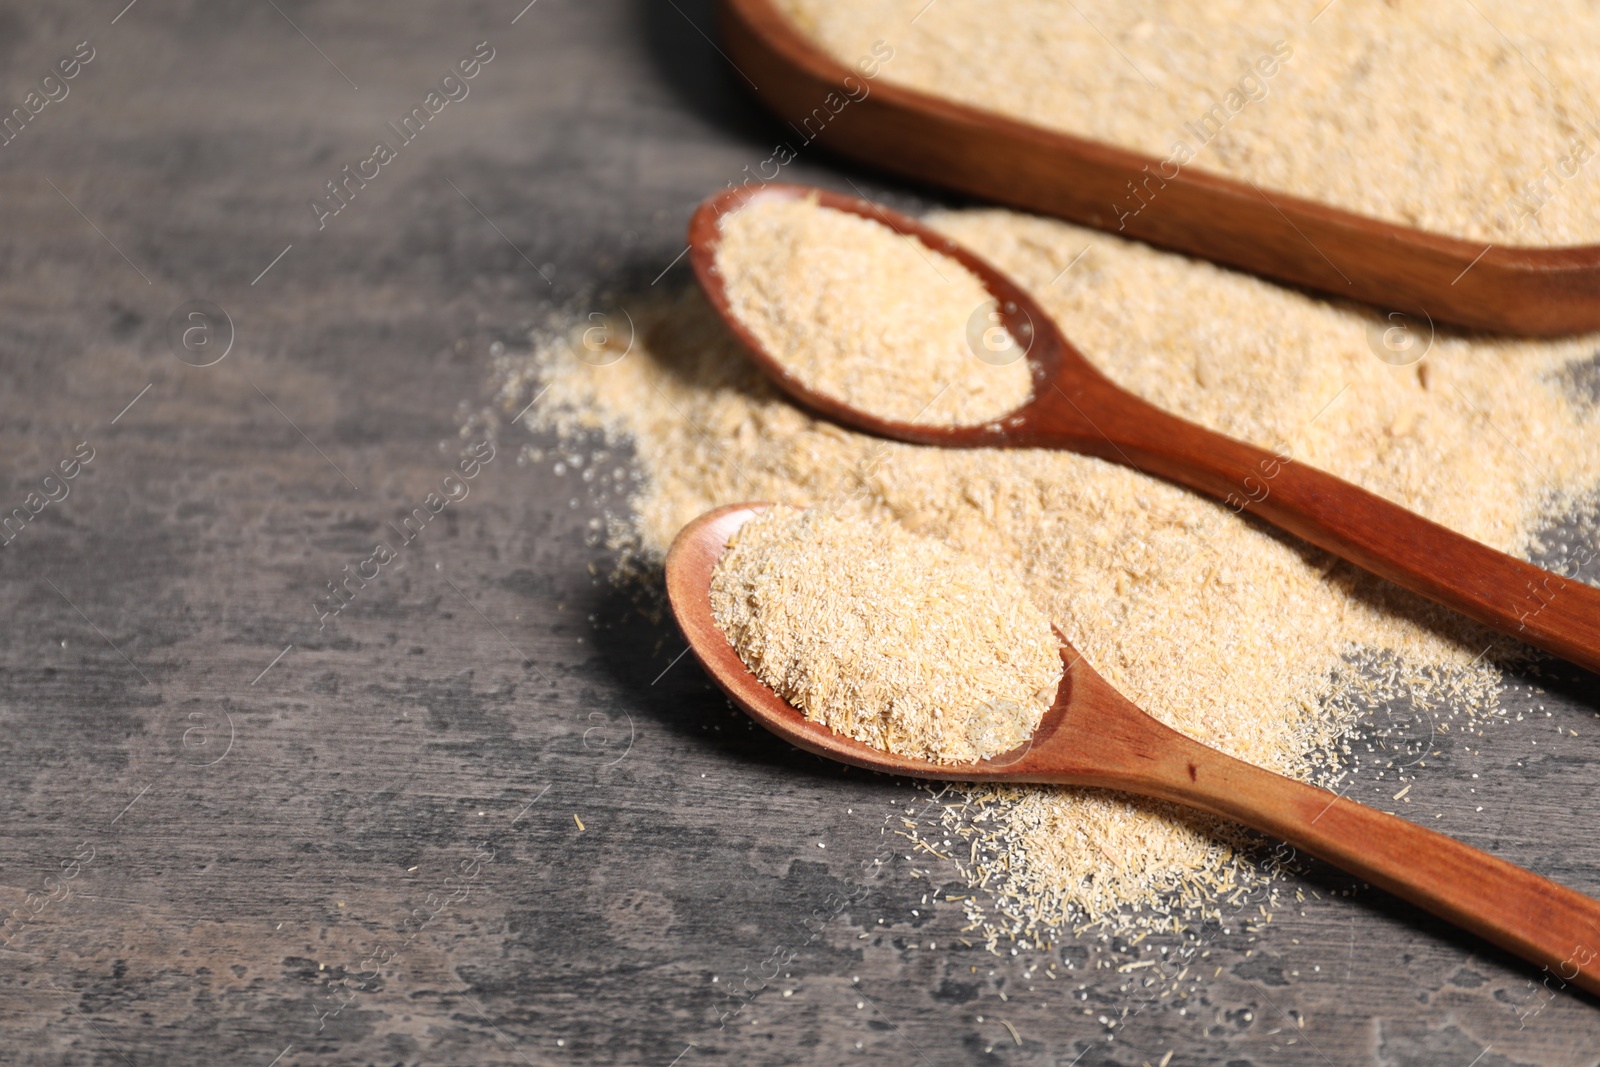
x,y
1469,119
1237,635
887,637
863,315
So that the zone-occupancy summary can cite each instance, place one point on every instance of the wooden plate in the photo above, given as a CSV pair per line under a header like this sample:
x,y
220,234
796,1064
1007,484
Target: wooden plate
x,y
1425,276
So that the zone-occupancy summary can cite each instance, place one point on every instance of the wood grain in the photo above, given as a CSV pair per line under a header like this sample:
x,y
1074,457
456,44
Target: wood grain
x,y
230,912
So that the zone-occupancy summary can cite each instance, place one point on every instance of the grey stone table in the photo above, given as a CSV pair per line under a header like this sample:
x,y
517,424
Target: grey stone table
x,y
484,813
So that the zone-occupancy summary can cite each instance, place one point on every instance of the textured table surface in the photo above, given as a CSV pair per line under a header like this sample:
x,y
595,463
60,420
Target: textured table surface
x,y
485,813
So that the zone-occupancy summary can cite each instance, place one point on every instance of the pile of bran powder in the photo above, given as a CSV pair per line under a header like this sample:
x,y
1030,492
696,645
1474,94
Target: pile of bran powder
x,y
887,637
871,329
1240,636
1475,119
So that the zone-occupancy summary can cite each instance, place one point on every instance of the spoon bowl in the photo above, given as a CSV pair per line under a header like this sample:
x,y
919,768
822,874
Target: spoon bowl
x,y
1094,736
1047,351
1076,408
690,565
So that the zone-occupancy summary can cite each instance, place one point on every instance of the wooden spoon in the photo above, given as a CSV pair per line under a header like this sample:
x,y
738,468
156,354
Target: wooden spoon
x,y
1094,736
1075,407
1525,290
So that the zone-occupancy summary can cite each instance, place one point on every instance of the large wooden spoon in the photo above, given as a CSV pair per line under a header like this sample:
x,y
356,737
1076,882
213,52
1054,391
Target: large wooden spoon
x,y
1075,407
1524,289
1094,736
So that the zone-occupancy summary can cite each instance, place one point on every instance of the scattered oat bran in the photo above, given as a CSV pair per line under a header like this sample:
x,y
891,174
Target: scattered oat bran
x,y
1240,636
887,637
866,316
1475,120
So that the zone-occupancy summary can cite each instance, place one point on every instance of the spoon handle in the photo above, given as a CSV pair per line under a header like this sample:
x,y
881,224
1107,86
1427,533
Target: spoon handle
x,y
1523,913
1558,614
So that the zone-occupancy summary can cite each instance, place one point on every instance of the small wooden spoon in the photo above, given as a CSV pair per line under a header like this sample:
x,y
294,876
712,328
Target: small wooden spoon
x,y
1075,407
1093,736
